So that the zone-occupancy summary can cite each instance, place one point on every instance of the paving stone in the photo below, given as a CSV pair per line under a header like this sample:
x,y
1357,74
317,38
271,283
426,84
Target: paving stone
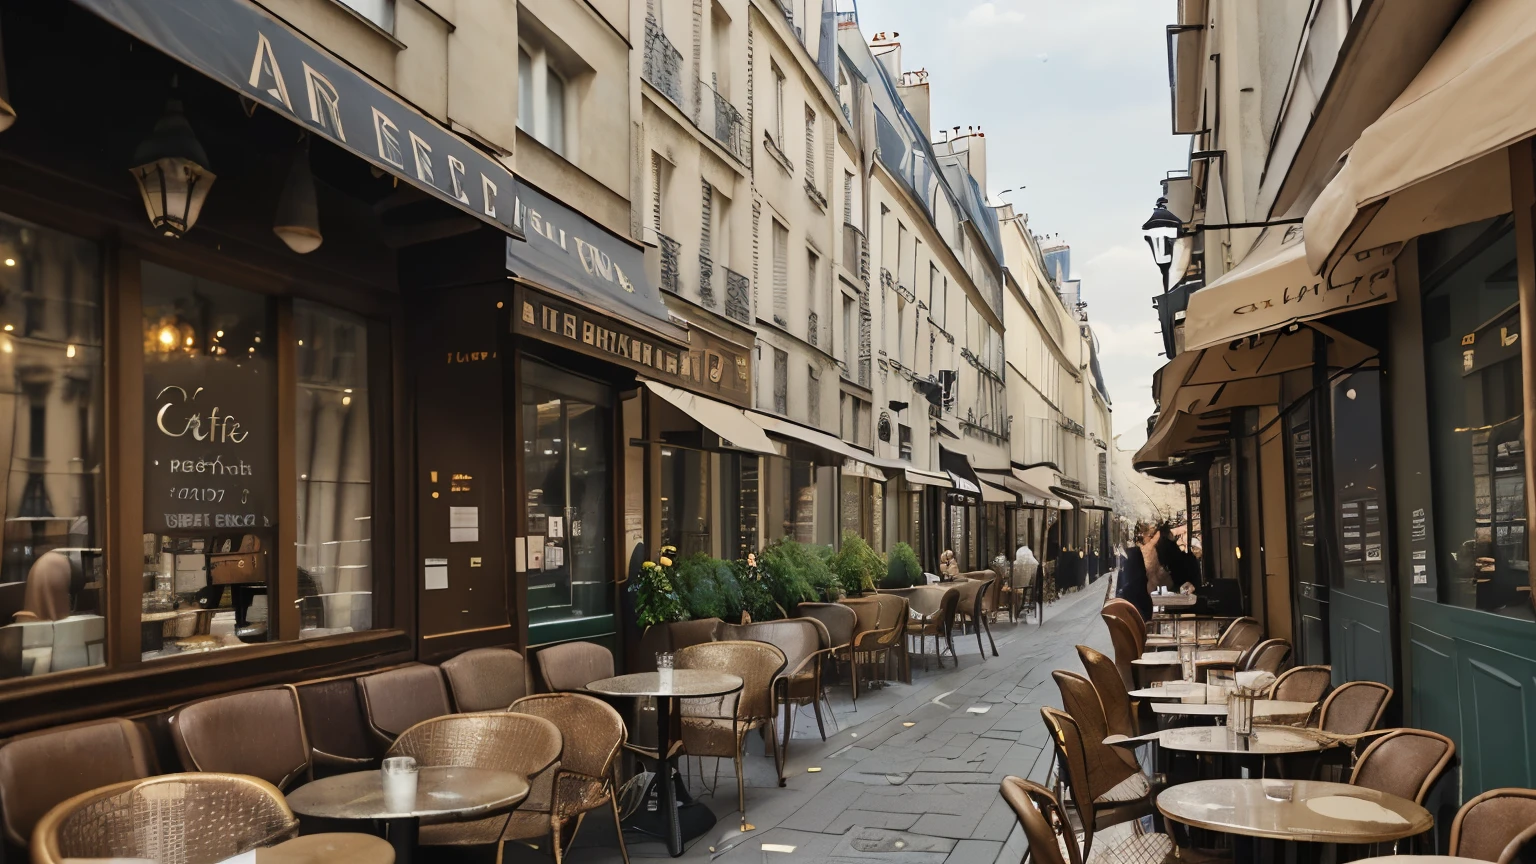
x,y
958,827
850,819
976,852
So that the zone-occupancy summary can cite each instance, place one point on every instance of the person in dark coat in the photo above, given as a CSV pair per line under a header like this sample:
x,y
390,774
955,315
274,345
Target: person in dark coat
x,y
1131,584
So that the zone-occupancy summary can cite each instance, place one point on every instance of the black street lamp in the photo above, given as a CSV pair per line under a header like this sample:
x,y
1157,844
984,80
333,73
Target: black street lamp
x,y
1161,230
171,171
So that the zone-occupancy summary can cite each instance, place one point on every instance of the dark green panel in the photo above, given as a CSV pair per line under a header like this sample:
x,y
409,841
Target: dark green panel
x,y
1435,696
1497,715
1362,641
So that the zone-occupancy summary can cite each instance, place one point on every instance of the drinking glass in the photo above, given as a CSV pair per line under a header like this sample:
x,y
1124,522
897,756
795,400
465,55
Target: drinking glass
x,y
400,783
1240,711
1187,661
665,662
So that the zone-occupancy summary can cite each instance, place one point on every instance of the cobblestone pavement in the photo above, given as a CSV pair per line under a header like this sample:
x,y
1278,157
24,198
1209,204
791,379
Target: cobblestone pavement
x,y
912,776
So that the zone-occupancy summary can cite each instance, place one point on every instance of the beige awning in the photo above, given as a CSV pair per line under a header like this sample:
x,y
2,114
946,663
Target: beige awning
x,y
1273,288
806,435
992,493
918,477
1436,157
727,421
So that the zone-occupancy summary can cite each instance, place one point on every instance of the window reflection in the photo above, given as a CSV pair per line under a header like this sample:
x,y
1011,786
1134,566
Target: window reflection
x,y
334,455
685,503
51,492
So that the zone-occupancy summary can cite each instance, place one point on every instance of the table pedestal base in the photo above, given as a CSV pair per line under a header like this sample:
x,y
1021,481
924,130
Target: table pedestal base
x,y
401,834
678,818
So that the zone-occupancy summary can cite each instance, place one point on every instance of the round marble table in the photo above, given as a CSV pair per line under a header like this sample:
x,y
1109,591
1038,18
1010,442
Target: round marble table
x,y
1172,690
1220,740
442,793
1171,658
1264,710
1420,859
328,849
1317,812
686,684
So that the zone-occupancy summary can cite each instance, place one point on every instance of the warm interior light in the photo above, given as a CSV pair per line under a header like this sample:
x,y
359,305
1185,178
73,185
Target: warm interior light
x,y
10,327
189,341
5,345
170,168
168,336
10,262
69,351
346,400
219,335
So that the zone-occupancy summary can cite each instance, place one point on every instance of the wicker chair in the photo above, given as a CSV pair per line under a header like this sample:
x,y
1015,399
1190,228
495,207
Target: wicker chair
x,y
591,734
1267,656
1485,826
397,699
718,726
570,666
181,818
801,640
1404,762
1522,849
871,642
1240,635
486,679
1126,611
257,732
1098,805
1044,822
1354,708
933,614
1081,700
1302,684
971,607
519,743
1119,711
40,769
895,612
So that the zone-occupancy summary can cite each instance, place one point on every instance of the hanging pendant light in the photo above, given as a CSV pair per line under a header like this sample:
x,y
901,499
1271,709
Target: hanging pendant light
x,y
172,171
7,113
298,216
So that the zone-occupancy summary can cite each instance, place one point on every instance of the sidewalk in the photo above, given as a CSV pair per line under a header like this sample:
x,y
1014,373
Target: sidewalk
x,y
912,776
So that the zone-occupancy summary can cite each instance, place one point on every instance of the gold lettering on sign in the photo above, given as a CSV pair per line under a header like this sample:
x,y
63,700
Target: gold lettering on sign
x,y
645,354
266,77
527,312
570,326
387,137
586,332
324,103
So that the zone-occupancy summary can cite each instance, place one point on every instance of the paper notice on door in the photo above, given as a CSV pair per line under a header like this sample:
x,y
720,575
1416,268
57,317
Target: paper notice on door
x,y
463,517
436,574
554,557
556,527
536,552
521,553
463,535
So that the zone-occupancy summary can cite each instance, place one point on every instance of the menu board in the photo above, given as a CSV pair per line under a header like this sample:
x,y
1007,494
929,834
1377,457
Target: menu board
x,y
209,447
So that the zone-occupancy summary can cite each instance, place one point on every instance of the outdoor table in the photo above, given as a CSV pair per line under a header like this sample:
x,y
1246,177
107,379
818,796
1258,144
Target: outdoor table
x,y
1171,658
1158,640
326,849
1220,741
1174,600
1420,859
1318,812
442,793
686,683
1170,690
1264,710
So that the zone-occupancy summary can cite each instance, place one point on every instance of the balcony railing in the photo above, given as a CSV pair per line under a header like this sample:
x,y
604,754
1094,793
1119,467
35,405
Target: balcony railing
x,y
719,118
738,296
813,329
670,250
706,280
663,62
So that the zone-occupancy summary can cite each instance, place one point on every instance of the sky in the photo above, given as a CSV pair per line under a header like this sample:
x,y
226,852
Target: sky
x,y
1074,100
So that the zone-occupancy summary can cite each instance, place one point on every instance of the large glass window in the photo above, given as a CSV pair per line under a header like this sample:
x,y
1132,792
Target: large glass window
x,y
685,500
1471,315
852,505
334,452
51,431
794,499
740,488
210,463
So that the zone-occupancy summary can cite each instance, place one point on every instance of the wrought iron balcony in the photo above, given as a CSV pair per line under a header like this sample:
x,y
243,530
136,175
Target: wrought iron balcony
x,y
718,117
663,62
706,280
670,250
738,296
813,329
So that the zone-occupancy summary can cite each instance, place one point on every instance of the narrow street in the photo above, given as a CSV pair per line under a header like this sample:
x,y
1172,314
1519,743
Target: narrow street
x,y
912,777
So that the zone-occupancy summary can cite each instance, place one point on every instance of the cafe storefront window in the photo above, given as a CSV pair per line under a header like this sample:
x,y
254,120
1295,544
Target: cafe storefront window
x,y
739,484
52,587
685,500
1476,418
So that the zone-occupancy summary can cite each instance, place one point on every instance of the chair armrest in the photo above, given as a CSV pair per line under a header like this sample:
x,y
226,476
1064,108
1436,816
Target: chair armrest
x,y
809,661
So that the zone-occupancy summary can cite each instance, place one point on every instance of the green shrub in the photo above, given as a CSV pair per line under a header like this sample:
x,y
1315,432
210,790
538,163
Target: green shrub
x,y
796,573
708,587
903,569
756,598
858,567
656,596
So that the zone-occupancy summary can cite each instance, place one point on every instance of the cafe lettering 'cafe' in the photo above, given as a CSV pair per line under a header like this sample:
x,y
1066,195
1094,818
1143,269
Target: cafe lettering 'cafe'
x,y
294,396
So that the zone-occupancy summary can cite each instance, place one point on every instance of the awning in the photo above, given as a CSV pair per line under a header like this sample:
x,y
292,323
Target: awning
x,y
1273,288
248,50
1436,157
993,493
927,478
830,444
575,256
730,423
959,470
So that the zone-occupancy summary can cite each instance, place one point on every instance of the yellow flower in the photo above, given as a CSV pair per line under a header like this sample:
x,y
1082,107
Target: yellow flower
x,y
666,562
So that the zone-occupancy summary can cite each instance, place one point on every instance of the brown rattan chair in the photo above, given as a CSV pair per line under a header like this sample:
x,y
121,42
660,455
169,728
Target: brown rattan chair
x,y
718,726
256,732
1404,762
839,619
486,679
1045,824
1240,635
801,640
1119,710
397,699
570,666
182,818
591,734
1354,707
1081,700
1126,611
1302,684
971,608
520,743
932,614
41,769
1267,656
1485,826
338,733
1123,641
869,641
1522,849
1098,806
895,612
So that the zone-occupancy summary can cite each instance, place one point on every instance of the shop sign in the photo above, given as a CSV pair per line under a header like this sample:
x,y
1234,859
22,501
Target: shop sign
x,y
209,448
239,45
708,365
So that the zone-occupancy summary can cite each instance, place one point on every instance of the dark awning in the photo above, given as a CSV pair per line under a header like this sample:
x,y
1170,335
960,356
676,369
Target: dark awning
x,y
960,471
248,50
575,256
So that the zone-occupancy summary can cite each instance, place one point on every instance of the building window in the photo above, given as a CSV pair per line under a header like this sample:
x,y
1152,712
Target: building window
x,y
379,12
776,122
542,108
810,145
780,274
904,440
850,323
661,178
685,500
813,289
334,454
847,197
210,460
51,413
740,488
813,395
780,381
1475,414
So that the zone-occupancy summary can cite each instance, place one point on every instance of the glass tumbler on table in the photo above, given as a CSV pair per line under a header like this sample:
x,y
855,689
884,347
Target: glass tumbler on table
x,y
1187,661
666,661
399,776
1240,711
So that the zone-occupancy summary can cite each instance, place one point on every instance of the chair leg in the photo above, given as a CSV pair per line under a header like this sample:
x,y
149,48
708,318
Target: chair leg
x,y
554,838
618,824
854,664
782,757
990,640
980,649
816,706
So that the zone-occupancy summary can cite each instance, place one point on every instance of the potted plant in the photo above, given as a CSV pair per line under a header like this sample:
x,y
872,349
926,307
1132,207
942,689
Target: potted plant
x,y
756,597
902,568
656,597
708,588
858,568
795,573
